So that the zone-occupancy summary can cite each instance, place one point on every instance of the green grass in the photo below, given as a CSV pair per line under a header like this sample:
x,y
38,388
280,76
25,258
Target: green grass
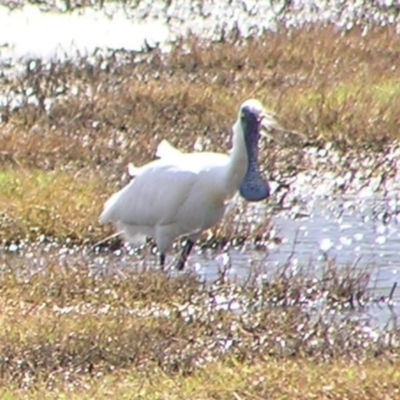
x,y
55,204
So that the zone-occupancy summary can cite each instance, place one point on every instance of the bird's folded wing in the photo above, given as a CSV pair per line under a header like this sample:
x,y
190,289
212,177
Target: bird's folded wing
x,y
153,197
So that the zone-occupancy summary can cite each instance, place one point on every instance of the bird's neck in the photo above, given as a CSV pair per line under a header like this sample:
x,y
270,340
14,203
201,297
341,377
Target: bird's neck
x,y
238,162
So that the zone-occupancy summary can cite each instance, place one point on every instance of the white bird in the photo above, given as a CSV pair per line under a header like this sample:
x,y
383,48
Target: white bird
x,y
183,194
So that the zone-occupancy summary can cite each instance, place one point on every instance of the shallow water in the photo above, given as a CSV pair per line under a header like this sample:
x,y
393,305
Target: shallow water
x,y
30,33
353,231
350,229
45,32
347,230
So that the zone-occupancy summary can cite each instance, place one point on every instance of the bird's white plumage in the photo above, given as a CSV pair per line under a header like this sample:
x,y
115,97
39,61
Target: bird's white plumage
x,y
181,194
167,200
166,151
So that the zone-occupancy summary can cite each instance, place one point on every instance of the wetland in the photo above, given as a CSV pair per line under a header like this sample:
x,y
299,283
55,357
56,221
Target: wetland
x,y
292,298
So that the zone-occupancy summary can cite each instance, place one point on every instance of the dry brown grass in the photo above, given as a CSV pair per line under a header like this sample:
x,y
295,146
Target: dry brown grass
x,y
268,379
66,329
344,89
332,87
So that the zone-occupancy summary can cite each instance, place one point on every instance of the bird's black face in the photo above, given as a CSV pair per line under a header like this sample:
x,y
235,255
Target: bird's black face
x,y
253,187
250,119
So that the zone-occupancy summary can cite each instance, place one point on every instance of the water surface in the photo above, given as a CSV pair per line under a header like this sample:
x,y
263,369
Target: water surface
x,y
40,31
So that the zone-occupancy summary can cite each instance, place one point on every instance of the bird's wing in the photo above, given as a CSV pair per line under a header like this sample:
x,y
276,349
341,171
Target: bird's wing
x,y
154,197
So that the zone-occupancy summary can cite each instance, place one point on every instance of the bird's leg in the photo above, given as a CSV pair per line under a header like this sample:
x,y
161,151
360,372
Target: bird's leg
x,y
187,247
162,260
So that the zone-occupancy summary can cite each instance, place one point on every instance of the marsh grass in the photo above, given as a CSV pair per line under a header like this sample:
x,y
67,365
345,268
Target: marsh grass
x,y
272,379
94,116
67,329
53,204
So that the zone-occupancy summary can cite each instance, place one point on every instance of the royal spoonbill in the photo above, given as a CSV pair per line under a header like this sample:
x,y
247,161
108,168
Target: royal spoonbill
x,y
183,194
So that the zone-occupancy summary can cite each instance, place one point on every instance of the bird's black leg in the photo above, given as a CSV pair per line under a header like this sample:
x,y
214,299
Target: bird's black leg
x,y
162,260
187,247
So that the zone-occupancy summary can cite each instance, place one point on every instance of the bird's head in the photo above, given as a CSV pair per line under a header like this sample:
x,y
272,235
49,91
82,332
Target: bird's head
x,y
253,121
